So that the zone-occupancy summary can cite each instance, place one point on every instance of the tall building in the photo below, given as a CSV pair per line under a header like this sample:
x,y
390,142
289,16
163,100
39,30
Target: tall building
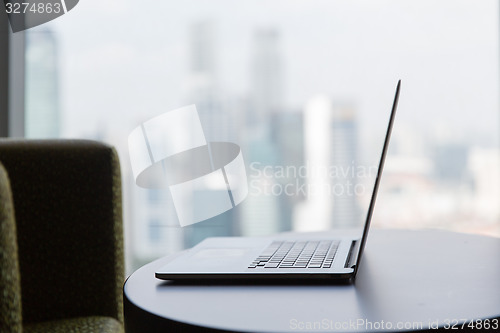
x,y
203,84
262,212
42,108
153,229
288,136
484,164
344,146
330,151
267,76
450,163
219,124
314,213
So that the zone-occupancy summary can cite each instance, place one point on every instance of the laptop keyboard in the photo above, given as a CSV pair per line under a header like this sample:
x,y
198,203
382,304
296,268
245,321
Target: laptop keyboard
x,y
297,254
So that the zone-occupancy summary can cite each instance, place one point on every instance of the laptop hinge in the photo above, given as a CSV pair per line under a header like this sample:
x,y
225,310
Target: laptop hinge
x,y
352,258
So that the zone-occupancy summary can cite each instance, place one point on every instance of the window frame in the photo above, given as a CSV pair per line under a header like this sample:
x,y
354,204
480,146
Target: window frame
x,y
12,80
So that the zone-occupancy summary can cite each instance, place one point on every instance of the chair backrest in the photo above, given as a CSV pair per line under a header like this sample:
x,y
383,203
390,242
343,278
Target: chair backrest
x,y
67,197
10,291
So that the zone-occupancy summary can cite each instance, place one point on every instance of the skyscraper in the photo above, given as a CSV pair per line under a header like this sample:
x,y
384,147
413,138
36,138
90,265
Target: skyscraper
x,y
203,84
330,140
261,213
42,113
153,228
266,76
217,121
315,212
346,210
288,136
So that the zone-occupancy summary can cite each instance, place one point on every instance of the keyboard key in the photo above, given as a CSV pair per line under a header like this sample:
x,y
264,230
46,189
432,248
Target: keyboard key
x,y
300,265
271,265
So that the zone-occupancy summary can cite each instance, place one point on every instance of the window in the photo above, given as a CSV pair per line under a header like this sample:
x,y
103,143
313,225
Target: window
x,y
305,88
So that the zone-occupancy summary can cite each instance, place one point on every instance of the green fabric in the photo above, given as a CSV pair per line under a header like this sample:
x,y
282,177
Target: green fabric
x,y
77,325
10,292
67,196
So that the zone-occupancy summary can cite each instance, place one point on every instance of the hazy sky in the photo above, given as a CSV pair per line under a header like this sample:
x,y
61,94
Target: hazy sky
x,y
123,62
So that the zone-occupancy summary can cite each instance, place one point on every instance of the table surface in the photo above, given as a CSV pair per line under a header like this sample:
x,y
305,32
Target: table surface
x,y
406,280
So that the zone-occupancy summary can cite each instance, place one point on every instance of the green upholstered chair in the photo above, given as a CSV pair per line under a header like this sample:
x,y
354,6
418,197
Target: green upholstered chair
x,y
10,292
65,274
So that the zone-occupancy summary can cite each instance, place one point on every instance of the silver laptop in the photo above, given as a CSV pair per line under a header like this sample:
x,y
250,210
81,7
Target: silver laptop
x,y
303,257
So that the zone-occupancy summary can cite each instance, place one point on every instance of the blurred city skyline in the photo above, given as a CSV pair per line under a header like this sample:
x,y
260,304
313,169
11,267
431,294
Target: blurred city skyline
x,y
348,50
298,83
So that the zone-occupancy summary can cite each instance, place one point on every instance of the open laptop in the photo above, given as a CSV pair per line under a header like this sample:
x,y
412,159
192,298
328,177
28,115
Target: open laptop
x,y
252,258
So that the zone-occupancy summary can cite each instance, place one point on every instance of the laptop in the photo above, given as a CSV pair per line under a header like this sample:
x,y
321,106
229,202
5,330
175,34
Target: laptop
x,y
303,257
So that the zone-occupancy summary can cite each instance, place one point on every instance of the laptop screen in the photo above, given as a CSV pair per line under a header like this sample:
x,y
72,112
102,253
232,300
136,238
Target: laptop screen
x,y
378,177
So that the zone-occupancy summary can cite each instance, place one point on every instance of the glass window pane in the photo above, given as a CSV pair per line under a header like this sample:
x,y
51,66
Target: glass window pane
x,y
304,88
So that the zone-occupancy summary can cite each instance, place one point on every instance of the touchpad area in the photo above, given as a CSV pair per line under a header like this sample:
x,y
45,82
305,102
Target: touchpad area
x,y
218,253
219,257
